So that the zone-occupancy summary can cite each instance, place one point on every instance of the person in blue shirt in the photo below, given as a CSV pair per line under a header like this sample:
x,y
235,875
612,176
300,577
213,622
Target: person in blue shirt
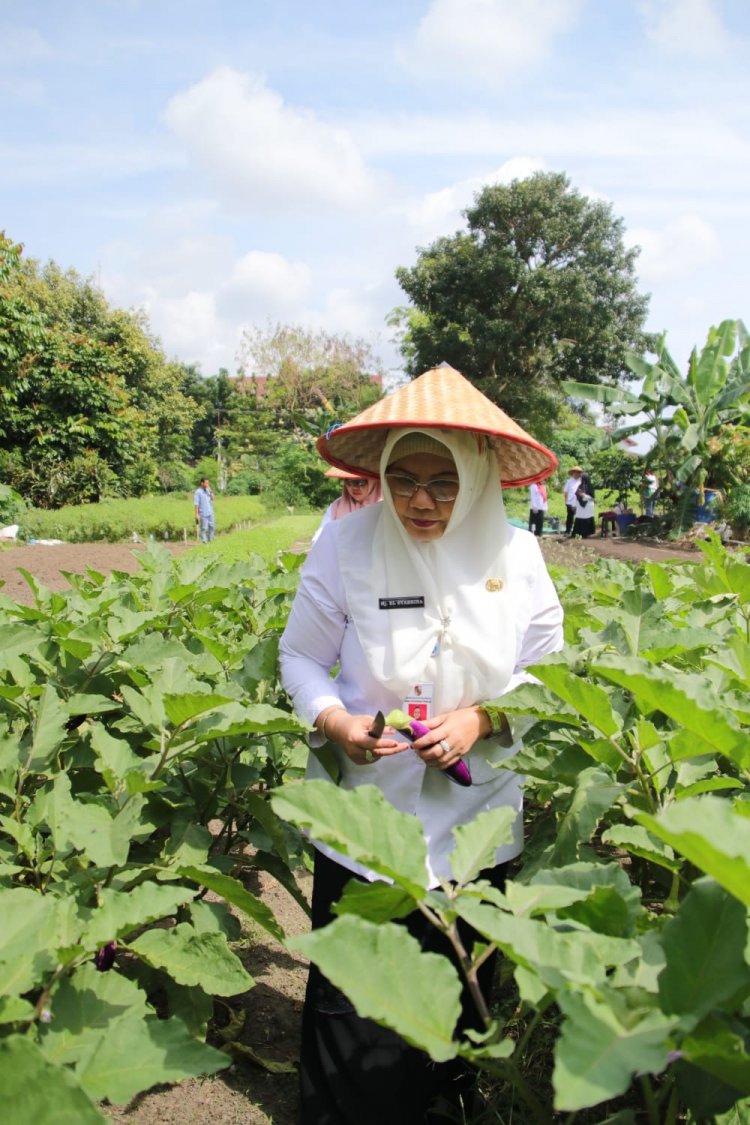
x,y
204,510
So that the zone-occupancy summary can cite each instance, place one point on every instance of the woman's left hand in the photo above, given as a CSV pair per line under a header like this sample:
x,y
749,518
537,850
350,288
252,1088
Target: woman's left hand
x,y
452,734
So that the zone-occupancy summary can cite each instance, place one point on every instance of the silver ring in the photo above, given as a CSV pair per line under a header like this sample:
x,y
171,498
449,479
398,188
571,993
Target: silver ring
x,y
445,745
370,757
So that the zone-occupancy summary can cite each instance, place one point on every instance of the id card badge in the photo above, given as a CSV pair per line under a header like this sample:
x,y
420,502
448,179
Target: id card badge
x,y
418,702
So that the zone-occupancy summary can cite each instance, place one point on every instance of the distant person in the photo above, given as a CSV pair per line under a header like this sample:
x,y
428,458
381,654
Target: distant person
x,y
569,492
649,489
584,523
609,518
204,510
537,508
356,492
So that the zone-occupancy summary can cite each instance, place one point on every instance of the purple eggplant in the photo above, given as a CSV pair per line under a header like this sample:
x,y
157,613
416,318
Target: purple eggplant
x,y
104,958
412,728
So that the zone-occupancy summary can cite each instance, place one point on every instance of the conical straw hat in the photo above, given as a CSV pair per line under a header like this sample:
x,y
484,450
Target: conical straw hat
x,y
444,399
341,474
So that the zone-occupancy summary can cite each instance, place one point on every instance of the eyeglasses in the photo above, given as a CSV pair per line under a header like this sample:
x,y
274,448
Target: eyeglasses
x,y
358,483
441,491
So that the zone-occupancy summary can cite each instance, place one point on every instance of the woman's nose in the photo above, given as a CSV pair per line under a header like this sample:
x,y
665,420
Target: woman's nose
x,y
422,498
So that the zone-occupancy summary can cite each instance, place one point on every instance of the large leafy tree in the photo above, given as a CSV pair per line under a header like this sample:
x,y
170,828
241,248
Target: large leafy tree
x,y
539,288
89,402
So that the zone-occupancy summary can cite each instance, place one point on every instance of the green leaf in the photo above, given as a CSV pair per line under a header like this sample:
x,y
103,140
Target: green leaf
x,y
192,958
182,708
32,1090
637,841
146,1053
233,891
120,912
477,842
688,699
588,699
388,978
601,1047
720,1050
595,793
377,902
706,949
49,729
714,838
81,704
85,1008
361,824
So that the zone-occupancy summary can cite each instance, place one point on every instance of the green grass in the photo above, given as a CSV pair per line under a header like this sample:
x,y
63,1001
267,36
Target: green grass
x,y
114,521
266,539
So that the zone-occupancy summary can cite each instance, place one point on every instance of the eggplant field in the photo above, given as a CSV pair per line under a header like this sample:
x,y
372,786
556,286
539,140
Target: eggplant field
x,y
150,763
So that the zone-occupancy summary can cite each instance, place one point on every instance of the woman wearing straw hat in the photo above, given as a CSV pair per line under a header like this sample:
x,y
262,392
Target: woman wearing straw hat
x,y
433,597
356,492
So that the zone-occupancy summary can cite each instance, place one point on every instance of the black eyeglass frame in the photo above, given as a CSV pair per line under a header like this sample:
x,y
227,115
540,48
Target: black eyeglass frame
x,y
428,487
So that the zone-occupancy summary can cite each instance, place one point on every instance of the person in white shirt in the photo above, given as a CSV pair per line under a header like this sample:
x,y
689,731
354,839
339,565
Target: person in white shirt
x,y
569,492
430,598
584,523
537,508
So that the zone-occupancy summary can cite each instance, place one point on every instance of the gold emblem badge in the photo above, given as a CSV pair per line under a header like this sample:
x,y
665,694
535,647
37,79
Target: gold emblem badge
x,y
493,585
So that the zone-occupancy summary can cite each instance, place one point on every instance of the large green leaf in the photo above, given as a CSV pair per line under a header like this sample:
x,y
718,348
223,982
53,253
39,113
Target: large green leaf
x,y
601,1046
714,838
50,729
191,958
477,842
361,824
233,891
388,978
32,1090
688,699
706,948
588,699
120,912
594,794
721,1050
182,708
85,1008
142,1054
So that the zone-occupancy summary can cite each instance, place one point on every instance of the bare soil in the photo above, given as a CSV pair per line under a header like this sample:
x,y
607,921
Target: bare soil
x,y
249,1093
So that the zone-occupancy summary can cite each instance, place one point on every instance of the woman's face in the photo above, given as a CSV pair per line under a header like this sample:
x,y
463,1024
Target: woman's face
x,y
358,489
424,517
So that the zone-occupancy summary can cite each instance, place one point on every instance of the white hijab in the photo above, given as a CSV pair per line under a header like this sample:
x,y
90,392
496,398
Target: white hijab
x,y
462,640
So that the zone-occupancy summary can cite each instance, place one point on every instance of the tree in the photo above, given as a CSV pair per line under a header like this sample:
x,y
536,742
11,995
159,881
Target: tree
x,y
539,289
88,400
698,421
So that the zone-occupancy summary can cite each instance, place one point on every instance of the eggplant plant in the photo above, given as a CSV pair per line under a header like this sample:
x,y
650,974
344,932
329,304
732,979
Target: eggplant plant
x,y
625,925
142,725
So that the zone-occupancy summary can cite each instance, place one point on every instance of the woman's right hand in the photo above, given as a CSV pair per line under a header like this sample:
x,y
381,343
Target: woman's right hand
x,y
350,732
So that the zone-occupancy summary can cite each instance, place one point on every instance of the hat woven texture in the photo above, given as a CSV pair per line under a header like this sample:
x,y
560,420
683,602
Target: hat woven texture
x,y
341,474
442,398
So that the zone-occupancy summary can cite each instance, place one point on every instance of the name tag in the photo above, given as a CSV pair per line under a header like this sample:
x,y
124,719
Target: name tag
x,y
415,602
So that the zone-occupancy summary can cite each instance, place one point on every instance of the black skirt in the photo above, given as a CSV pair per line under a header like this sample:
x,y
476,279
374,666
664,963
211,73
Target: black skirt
x,y
354,1072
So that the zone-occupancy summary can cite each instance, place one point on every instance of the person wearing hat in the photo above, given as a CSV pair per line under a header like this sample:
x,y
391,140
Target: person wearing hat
x,y
356,492
585,522
569,491
430,597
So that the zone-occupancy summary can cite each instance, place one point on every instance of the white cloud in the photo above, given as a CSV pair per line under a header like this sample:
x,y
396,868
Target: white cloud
x,y
689,27
258,150
441,212
485,41
680,248
263,285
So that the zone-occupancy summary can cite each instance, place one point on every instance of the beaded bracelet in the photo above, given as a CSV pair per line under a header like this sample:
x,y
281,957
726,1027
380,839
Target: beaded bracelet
x,y
327,717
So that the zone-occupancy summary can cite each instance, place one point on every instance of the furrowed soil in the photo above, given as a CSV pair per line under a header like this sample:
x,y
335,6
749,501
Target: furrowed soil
x,y
260,1087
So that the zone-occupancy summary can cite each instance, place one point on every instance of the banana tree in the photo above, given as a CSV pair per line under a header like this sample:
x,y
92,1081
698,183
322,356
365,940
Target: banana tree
x,y
685,414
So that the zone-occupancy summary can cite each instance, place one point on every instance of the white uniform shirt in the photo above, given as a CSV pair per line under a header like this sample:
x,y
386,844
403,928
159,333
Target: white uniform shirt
x,y
537,502
569,490
320,634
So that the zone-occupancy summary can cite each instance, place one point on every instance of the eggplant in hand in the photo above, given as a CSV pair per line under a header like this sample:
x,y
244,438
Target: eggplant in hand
x,y
412,728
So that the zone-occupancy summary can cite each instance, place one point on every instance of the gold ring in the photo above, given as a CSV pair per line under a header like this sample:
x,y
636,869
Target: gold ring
x,y
445,745
369,757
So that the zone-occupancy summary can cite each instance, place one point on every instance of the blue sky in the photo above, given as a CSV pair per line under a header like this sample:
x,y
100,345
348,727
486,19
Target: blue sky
x,y
237,163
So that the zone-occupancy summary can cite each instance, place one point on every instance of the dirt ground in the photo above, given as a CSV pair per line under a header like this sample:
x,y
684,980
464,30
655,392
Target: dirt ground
x,y
248,1093
50,563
